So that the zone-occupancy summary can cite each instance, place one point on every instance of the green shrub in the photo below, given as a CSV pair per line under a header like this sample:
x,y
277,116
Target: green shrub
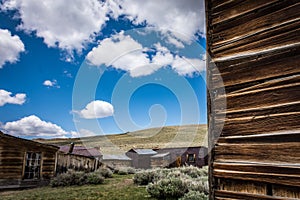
x,y
131,170
198,184
194,195
167,188
76,178
124,170
145,177
173,183
105,172
94,178
194,172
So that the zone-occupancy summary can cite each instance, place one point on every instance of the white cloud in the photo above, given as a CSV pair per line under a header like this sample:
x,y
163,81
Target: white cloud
x,y
49,83
112,48
183,18
7,98
121,52
32,126
63,24
187,66
10,47
96,109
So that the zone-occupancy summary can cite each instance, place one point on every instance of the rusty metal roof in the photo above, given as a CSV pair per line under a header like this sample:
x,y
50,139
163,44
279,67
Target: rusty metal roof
x,y
81,150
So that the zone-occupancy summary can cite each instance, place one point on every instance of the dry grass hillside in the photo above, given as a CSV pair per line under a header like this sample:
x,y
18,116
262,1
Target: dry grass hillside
x,y
170,136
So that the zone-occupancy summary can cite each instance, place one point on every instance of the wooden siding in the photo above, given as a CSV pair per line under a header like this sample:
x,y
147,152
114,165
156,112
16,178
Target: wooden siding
x,y
253,77
114,163
75,162
12,157
200,155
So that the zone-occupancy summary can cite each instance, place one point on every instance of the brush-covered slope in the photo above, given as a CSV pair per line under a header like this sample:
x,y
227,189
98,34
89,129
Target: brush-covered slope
x,y
170,136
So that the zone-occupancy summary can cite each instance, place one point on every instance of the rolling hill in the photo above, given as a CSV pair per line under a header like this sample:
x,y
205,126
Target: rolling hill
x,y
170,136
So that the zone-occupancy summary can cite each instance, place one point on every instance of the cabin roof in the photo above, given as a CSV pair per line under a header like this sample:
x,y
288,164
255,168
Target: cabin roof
x,y
81,150
26,141
160,155
115,157
144,151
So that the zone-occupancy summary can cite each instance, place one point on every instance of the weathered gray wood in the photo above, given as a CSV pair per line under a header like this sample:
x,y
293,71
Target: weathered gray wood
x,y
254,129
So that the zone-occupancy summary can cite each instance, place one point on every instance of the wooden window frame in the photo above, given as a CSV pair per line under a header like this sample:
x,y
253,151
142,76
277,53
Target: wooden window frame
x,y
32,167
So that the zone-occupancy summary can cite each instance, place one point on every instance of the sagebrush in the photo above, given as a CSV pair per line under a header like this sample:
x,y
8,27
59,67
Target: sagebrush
x,y
186,182
76,178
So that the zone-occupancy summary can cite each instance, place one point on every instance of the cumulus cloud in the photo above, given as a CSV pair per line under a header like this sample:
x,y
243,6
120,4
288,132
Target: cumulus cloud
x,y
121,52
187,66
7,98
49,83
33,126
10,47
112,48
63,24
96,109
183,18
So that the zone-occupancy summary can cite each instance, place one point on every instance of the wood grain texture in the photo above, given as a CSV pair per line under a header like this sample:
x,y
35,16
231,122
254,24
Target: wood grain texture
x,y
12,161
253,78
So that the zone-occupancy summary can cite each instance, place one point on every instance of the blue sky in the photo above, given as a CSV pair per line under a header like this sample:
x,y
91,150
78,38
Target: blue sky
x,y
98,67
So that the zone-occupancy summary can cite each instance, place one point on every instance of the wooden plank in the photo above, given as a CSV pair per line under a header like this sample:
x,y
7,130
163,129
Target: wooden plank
x,y
288,152
256,69
272,137
260,124
257,21
236,9
259,167
260,177
261,97
284,191
244,196
289,35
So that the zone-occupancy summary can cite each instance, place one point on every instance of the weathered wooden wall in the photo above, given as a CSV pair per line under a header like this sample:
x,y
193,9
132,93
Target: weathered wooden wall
x,y
253,77
67,162
12,157
182,152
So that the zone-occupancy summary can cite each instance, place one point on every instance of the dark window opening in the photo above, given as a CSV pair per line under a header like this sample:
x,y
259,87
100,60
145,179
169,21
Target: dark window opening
x,y
32,165
191,157
269,190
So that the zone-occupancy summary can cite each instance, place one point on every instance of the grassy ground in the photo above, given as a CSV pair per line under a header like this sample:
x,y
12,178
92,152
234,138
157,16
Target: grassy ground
x,y
116,188
171,136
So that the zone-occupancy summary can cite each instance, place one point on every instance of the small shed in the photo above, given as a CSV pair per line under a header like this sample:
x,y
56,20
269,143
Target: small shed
x,y
141,158
196,156
160,160
114,160
25,163
78,158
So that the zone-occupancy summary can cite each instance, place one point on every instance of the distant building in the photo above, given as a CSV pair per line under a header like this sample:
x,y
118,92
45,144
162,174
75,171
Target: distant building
x,y
78,158
161,160
81,150
114,160
25,163
180,156
141,158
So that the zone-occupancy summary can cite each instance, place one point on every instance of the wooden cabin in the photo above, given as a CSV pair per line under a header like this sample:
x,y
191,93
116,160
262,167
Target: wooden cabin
x,y
180,156
253,77
25,163
115,160
161,160
141,158
78,158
